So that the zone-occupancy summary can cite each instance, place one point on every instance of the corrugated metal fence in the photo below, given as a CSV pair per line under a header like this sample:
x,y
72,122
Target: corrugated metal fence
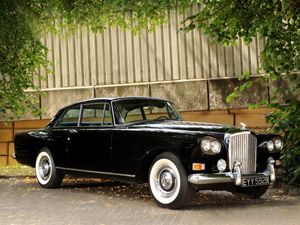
x,y
118,57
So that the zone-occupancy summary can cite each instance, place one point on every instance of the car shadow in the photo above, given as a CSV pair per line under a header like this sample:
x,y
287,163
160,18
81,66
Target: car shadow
x,y
225,200
203,200
107,187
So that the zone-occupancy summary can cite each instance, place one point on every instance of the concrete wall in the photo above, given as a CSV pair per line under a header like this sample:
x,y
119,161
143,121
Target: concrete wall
x,y
187,95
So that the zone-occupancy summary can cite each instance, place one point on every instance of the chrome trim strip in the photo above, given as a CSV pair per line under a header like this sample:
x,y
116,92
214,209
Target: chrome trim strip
x,y
209,178
97,172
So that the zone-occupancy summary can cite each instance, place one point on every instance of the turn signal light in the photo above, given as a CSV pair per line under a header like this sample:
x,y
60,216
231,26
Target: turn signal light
x,y
198,166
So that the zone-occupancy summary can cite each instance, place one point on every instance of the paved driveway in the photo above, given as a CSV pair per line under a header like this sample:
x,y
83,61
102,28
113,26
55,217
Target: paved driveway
x,y
92,201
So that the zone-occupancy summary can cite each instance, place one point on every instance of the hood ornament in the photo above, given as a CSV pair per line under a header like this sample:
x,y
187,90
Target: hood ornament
x,y
243,125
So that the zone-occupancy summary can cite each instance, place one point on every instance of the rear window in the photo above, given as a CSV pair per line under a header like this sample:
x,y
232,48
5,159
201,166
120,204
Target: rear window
x,y
69,118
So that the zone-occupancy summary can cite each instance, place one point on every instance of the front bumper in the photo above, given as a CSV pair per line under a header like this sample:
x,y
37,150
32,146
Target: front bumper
x,y
234,177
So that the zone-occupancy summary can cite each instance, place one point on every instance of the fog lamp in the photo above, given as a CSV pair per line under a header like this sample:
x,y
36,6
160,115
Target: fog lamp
x,y
221,165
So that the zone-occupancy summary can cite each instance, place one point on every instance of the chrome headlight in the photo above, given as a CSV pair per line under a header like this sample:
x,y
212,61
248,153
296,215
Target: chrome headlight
x,y
278,143
270,145
275,144
210,146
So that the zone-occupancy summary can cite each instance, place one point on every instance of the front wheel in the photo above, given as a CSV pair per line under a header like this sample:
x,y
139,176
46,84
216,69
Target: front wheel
x,y
251,192
168,182
46,172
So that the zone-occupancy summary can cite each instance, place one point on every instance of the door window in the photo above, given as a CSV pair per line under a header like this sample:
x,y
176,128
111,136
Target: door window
x,y
98,114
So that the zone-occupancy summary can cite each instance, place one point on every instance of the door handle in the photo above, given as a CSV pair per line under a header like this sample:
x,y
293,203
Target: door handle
x,y
73,131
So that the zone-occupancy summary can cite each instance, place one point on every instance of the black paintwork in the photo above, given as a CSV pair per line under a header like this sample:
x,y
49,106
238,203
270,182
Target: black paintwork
x,y
126,151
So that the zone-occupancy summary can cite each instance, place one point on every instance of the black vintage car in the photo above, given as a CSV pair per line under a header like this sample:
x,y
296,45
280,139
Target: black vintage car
x,y
140,139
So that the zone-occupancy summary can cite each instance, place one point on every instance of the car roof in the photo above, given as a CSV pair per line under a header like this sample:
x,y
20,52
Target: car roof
x,y
114,99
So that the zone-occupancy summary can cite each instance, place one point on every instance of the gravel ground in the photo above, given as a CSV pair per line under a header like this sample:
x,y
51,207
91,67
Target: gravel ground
x,y
95,201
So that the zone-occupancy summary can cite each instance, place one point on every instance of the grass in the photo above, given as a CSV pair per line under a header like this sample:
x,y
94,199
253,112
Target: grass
x,y
17,170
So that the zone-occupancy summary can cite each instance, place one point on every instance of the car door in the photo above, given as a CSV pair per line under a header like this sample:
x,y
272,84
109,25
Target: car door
x,y
59,135
89,145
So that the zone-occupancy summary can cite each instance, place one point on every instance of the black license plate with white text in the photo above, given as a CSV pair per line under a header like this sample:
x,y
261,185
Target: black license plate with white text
x,y
255,181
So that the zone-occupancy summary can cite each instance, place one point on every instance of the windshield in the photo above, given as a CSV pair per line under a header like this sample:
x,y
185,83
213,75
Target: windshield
x,y
144,110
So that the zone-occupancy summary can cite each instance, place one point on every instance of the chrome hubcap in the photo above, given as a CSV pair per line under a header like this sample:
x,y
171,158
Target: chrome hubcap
x,y
44,168
167,180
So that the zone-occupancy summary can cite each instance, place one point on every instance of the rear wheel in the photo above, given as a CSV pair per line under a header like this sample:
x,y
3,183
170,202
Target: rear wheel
x,y
168,182
46,172
251,192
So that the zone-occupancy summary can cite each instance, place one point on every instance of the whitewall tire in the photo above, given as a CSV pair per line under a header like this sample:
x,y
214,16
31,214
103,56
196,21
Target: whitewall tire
x,y
46,173
168,182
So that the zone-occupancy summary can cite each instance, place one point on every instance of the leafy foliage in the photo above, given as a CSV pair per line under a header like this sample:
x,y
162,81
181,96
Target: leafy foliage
x,y
286,119
24,22
278,22
21,53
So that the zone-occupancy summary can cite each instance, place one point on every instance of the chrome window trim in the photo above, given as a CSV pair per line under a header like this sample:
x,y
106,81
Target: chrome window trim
x,y
105,103
112,110
80,115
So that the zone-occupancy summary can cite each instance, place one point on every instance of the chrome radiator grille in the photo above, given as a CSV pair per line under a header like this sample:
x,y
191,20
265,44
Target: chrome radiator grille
x,y
242,147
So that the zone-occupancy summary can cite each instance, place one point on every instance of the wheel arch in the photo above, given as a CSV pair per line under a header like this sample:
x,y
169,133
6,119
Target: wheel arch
x,y
36,153
143,170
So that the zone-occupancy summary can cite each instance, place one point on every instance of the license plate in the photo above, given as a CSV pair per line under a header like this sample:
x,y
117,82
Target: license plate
x,y
255,181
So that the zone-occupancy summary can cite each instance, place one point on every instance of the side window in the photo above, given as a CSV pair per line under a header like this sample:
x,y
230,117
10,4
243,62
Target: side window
x,y
69,118
96,115
134,115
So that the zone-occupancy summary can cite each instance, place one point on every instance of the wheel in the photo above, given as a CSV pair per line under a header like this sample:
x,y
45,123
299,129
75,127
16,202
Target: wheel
x,y
161,118
168,182
46,172
251,192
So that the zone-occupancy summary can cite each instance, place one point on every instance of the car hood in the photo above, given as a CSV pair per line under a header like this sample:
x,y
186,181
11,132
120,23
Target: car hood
x,y
188,126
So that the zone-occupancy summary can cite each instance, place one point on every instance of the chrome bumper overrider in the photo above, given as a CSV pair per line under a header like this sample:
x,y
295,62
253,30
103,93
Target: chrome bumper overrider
x,y
231,177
